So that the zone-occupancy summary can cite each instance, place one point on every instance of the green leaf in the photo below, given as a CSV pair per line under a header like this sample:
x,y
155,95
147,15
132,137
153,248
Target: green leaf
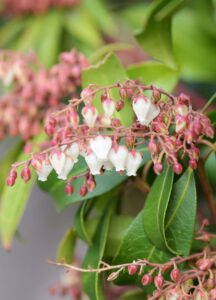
x,y
65,252
9,32
108,72
104,183
92,282
156,207
194,47
155,73
181,214
133,295
136,245
13,203
72,21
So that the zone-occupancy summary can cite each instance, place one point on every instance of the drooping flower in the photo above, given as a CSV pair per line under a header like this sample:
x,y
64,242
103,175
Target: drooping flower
x,y
101,146
145,110
90,113
93,163
133,162
57,159
68,166
43,168
109,107
73,151
118,156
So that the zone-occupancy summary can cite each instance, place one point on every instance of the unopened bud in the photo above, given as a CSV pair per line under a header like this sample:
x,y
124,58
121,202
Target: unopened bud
x,y
158,168
175,274
83,190
122,93
177,168
159,281
91,184
193,164
69,189
156,94
132,269
112,276
119,105
11,180
204,264
146,279
26,174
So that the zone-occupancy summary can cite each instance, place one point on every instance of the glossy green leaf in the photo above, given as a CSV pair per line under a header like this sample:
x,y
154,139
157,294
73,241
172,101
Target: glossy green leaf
x,y
194,47
66,249
133,295
155,73
13,203
104,183
181,214
108,72
136,245
9,32
92,282
156,207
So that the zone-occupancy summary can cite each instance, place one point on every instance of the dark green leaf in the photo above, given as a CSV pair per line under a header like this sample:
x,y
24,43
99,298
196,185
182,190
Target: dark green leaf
x,y
156,207
92,282
108,72
65,252
136,245
181,213
155,73
133,295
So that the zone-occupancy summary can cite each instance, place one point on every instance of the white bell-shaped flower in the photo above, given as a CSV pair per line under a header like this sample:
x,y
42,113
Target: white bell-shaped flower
x,y
101,146
93,163
57,159
108,166
43,169
105,120
90,113
118,156
133,162
68,166
108,107
73,151
145,110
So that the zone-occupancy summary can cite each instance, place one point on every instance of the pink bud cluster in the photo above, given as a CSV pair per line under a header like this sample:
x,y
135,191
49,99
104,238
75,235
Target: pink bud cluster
x,y
97,134
36,7
34,90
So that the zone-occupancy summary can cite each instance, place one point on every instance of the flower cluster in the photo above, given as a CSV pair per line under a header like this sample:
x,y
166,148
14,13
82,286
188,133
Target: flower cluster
x,y
36,7
34,89
167,124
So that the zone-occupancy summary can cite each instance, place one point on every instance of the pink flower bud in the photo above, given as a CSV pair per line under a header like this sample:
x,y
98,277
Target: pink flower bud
x,y
89,113
181,123
119,105
13,173
193,164
158,168
204,264
177,168
91,184
26,174
212,294
183,99
112,276
73,118
116,122
49,129
175,274
152,146
83,190
156,94
69,189
132,269
87,94
11,180
159,281
122,93
145,110
146,279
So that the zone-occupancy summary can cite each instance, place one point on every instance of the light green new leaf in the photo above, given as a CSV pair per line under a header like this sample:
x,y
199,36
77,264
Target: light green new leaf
x,y
155,73
13,203
66,249
92,282
155,209
181,214
108,72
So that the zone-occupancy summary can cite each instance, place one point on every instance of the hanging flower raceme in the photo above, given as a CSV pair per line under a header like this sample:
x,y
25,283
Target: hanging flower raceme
x,y
35,90
165,123
35,7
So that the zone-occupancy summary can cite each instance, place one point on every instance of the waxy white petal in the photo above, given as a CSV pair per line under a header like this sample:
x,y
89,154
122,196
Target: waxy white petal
x,y
93,163
101,146
133,163
45,170
118,157
90,114
57,159
68,166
